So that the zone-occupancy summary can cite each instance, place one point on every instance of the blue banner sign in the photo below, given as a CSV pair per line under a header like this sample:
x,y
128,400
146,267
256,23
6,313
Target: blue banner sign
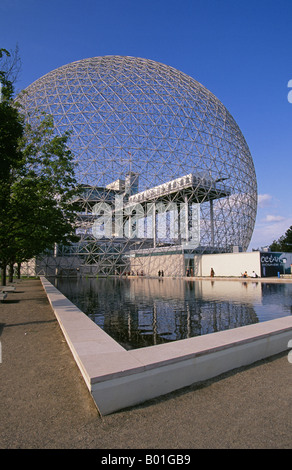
x,y
275,264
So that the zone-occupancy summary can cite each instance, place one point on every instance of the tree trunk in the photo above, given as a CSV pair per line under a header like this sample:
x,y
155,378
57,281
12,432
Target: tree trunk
x,y
11,266
3,274
18,270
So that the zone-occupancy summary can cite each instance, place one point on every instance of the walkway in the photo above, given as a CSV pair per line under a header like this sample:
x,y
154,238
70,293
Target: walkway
x,y
45,403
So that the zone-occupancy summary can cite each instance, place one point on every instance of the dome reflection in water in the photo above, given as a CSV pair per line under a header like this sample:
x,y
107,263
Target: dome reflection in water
x,y
140,312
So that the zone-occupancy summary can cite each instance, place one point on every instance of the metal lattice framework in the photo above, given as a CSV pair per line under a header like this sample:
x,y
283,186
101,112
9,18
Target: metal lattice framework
x,y
162,165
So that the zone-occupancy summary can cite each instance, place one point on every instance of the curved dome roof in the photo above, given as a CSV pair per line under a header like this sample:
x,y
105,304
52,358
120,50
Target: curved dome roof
x,y
136,115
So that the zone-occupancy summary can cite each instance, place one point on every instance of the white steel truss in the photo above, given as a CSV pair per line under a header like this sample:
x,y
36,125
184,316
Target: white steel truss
x,y
154,148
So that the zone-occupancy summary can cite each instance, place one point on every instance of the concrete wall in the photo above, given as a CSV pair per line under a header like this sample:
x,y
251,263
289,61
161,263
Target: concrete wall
x,y
227,264
28,268
224,264
171,264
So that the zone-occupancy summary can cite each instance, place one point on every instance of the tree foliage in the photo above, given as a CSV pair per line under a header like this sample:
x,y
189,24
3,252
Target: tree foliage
x,y
10,63
284,243
36,183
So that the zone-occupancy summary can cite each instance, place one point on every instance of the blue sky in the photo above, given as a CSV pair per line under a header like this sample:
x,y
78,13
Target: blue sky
x,y
241,50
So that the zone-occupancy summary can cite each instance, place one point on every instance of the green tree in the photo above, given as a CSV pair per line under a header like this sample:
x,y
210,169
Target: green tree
x,y
37,184
11,130
10,63
284,243
11,158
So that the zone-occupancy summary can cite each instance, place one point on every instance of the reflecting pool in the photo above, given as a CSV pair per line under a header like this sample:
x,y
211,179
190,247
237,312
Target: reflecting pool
x,y
139,312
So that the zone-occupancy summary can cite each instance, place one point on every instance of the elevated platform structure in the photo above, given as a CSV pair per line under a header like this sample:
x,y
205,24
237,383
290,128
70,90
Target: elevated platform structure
x,y
118,223
190,188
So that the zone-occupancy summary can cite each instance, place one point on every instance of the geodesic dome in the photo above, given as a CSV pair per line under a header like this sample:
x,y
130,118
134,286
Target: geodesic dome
x,y
162,165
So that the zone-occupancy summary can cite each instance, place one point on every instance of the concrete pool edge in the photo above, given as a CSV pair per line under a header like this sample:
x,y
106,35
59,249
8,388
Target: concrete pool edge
x,y
117,378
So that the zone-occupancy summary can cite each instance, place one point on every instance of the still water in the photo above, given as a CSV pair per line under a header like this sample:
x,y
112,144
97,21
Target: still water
x,y
143,312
